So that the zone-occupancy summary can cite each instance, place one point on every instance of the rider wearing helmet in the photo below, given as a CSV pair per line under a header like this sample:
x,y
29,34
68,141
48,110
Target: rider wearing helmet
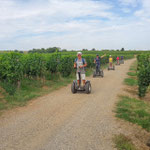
x,y
80,63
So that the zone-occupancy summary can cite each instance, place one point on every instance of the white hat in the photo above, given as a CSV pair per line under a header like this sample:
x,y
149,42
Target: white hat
x,y
79,53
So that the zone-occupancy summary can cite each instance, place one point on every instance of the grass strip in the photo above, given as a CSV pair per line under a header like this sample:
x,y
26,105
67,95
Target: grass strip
x,y
132,74
33,88
123,143
130,81
135,111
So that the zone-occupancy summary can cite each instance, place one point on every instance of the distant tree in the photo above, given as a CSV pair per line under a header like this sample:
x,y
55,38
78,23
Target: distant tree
x,y
84,49
122,49
93,49
64,50
43,50
16,51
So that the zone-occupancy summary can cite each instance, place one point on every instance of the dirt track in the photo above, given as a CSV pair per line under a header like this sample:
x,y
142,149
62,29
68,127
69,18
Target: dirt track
x,y
63,121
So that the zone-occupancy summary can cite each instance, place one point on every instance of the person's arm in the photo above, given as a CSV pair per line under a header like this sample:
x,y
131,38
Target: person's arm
x,y
103,56
94,61
85,65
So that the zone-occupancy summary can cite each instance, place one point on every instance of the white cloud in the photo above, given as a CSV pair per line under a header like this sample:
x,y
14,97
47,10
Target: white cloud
x,y
132,3
72,24
144,12
49,16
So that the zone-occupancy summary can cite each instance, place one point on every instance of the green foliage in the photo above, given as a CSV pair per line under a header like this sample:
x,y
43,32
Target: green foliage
x,y
143,73
14,67
89,59
130,81
47,50
34,65
123,143
135,111
9,87
132,74
11,67
65,66
52,63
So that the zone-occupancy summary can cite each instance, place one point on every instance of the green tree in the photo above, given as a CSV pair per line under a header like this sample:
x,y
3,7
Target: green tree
x,y
93,49
122,49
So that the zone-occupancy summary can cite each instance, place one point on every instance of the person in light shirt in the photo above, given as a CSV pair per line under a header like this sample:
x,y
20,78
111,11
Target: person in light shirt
x,y
80,64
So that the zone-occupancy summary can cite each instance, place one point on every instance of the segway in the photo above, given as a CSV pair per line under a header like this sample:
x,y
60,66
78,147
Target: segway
x,y
75,87
98,72
112,67
121,61
118,62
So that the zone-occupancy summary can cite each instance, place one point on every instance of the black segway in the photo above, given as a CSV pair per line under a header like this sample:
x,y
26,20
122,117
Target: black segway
x,y
112,67
122,61
75,87
118,62
98,72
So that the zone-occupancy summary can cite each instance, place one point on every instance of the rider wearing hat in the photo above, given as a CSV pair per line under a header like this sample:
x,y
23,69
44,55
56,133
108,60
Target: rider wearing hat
x,y
80,63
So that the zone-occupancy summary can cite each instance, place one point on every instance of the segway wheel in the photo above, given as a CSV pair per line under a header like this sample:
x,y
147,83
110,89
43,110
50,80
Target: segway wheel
x,y
94,74
73,88
113,67
102,74
88,88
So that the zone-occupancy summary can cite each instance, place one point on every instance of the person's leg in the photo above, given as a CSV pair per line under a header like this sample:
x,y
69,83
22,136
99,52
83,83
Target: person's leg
x,y
83,78
110,64
99,69
83,82
96,68
78,81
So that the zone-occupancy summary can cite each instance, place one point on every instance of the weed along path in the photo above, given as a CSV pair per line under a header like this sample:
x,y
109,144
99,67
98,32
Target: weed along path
x,y
65,121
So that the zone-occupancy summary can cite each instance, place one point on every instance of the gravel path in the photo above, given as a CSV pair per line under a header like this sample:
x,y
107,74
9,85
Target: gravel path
x,y
63,121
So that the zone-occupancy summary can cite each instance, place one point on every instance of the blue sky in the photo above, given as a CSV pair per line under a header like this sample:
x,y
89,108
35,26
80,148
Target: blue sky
x,y
75,24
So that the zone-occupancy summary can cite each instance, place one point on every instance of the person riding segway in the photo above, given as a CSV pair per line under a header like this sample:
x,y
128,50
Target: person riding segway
x,y
118,60
80,84
111,66
122,60
98,71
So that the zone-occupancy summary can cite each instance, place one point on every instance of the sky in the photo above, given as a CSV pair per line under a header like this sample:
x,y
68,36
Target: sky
x,y
75,24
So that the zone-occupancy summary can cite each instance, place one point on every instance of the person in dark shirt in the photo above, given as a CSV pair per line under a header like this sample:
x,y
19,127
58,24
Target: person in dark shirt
x,y
97,61
121,57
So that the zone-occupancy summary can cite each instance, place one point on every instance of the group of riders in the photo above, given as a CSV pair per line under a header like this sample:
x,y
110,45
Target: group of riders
x,y
80,64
